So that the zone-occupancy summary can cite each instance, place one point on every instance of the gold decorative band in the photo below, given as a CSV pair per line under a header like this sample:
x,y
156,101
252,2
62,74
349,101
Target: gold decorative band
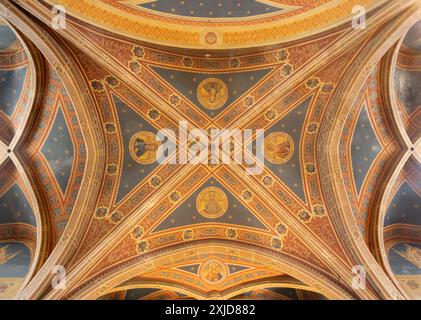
x,y
183,34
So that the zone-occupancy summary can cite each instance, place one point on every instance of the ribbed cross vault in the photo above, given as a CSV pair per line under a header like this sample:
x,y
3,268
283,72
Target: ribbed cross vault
x,y
87,211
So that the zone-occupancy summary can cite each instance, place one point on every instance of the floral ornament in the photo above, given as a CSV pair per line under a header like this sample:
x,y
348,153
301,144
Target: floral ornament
x,y
187,62
211,37
312,83
97,86
267,181
310,168
112,81
312,127
247,195
174,100
287,70
276,243
248,101
319,210
137,232
188,234
304,216
155,181
101,213
231,233
283,55
112,169
110,127
142,246
327,88
116,217
281,229
234,63
138,52
175,196
154,114
135,66
271,115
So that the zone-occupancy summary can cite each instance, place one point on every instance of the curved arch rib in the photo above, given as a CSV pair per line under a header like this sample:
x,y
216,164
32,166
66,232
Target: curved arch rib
x,y
97,286
329,136
61,60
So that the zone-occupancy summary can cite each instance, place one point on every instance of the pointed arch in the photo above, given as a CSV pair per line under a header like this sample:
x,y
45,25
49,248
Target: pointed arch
x,y
61,59
116,275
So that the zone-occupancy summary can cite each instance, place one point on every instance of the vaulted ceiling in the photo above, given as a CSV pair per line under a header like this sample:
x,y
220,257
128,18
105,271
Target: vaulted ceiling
x,y
80,187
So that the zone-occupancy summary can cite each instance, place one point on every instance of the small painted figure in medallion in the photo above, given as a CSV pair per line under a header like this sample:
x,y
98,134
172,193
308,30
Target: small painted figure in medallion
x,y
279,147
143,147
212,93
212,203
213,272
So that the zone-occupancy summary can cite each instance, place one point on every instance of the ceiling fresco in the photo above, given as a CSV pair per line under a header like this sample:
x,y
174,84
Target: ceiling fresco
x,y
364,149
13,75
145,294
403,206
55,153
198,209
252,23
17,232
7,35
18,220
192,84
407,76
15,207
15,259
133,172
168,221
280,294
286,166
402,223
404,259
412,38
259,294
372,150
408,94
14,80
207,9
58,150
338,184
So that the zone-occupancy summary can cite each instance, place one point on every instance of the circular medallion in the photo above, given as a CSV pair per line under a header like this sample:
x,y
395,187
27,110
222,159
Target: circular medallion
x,y
279,147
143,147
211,37
213,272
212,93
212,203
